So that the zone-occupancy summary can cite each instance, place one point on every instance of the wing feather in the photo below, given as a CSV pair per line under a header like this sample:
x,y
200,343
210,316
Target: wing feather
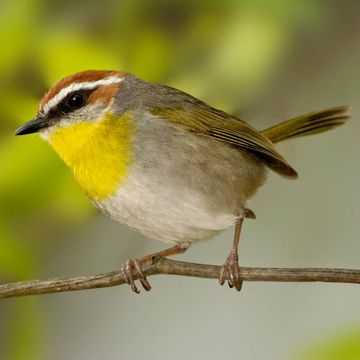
x,y
203,119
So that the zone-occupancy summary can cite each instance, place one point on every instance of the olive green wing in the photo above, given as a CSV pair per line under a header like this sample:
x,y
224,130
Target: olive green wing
x,y
203,119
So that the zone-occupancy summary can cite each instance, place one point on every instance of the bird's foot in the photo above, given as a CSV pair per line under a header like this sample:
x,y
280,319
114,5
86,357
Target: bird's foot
x,y
132,269
230,270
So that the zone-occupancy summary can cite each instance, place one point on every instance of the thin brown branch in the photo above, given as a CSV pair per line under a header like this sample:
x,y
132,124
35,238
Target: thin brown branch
x,y
171,267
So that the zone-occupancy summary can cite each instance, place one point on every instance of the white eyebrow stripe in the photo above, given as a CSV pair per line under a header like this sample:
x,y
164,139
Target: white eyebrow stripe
x,y
60,96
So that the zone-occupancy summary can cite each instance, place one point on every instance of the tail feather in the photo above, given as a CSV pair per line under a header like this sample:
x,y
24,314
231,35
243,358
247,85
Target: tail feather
x,y
308,124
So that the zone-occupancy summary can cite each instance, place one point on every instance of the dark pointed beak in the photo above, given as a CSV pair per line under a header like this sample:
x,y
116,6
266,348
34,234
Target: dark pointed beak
x,y
32,126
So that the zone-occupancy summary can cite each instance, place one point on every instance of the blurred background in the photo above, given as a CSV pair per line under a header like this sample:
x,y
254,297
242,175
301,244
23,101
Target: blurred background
x,y
264,61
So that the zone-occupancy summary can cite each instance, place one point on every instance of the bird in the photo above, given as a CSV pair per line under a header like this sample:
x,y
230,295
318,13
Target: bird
x,y
163,162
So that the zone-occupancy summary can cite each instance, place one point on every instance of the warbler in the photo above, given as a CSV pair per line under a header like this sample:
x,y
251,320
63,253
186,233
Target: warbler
x,y
162,161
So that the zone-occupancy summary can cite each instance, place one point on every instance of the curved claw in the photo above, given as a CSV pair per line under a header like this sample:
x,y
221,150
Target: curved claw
x,y
222,275
231,268
141,276
131,268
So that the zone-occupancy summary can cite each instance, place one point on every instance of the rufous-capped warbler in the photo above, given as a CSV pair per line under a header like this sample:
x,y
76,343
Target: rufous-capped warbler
x,y
163,162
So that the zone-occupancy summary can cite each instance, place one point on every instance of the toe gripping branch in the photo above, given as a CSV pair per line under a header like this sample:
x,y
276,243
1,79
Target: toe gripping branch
x,y
230,269
132,269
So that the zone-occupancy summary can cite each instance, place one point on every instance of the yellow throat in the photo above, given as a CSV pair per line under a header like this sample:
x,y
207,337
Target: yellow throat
x,y
97,152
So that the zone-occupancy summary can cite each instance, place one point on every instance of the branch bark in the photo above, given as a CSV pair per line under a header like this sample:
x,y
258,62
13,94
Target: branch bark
x,y
165,266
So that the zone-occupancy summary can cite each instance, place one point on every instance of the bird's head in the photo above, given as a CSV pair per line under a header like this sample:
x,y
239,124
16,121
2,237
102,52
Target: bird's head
x,y
83,97
82,120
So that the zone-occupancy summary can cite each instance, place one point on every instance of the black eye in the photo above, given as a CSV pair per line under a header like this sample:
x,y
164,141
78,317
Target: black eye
x,y
76,101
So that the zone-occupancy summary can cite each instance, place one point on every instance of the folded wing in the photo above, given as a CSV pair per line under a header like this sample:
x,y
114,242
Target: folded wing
x,y
200,118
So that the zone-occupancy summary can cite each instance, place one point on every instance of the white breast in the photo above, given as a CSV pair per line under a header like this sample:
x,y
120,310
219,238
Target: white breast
x,y
183,187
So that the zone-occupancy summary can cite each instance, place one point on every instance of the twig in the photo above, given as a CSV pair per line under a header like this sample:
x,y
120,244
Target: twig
x,y
171,267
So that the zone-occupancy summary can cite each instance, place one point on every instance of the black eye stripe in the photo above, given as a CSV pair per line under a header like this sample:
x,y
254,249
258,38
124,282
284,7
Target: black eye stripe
x,y
64,108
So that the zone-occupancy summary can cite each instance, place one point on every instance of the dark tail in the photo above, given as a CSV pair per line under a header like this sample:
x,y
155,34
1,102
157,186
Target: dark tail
x,y
308,124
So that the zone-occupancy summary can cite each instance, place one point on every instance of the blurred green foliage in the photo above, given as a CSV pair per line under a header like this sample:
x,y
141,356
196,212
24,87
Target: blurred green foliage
x,y
198,46
344,345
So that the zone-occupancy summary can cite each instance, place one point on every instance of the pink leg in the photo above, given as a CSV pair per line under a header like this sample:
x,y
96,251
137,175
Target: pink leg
x,y
231,266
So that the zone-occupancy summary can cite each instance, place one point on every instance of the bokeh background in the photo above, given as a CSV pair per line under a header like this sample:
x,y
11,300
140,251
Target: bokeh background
x,y
264,61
